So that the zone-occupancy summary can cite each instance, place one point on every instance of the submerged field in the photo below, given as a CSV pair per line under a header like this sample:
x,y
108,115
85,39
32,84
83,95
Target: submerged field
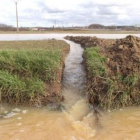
x,y
30,71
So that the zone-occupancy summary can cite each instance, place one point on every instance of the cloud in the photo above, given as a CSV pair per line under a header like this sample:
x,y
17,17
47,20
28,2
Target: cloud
x,y
44,8
73,12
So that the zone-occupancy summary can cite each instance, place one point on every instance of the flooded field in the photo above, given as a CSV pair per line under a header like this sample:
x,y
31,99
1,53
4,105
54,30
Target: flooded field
x,y
56,36
77,120
74,124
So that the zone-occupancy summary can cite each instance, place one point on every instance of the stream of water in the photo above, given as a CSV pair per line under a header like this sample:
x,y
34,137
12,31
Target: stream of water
x,y
77,121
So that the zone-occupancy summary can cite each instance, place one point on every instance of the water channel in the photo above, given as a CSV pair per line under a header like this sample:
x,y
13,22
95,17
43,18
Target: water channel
x,y
77,120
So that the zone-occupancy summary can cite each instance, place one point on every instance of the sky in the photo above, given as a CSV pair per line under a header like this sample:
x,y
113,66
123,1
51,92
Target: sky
x,y
48,13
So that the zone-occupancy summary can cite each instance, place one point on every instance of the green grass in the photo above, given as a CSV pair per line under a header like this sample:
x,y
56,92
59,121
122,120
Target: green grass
x,y
95,62
18,91
28,69
37,63
107,90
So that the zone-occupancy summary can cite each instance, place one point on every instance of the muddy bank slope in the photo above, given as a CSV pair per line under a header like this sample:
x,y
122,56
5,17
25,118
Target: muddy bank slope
x,y
113,71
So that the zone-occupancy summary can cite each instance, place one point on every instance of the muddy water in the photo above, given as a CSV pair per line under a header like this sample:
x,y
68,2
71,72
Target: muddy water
x,y
76,121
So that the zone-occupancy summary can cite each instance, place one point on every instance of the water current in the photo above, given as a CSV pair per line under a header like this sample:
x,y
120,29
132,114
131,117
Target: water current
x,y
77,120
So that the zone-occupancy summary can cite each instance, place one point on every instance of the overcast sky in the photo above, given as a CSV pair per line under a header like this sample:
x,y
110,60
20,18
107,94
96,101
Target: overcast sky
x,y
70,12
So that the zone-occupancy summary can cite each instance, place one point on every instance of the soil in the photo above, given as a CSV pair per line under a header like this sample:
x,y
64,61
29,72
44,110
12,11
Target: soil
x,y
121,85
90,41
124,56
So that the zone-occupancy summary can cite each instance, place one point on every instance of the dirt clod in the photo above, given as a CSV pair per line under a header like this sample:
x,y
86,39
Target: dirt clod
x,y
124,56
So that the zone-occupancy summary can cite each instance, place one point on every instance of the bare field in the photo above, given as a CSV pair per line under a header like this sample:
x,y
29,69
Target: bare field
x,y
74,31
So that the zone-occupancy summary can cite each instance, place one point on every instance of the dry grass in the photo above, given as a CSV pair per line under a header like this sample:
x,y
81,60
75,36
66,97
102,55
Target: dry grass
x,y
32,45
74,31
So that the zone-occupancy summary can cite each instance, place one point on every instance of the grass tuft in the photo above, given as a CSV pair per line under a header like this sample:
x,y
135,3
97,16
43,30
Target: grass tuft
x,y
95,62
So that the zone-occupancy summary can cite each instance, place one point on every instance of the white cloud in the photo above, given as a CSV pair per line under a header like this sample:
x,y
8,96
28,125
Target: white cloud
x,y
123,17
73,12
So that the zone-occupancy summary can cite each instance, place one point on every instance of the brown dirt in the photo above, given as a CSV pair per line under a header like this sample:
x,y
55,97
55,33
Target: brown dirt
x,y
90,41
124,56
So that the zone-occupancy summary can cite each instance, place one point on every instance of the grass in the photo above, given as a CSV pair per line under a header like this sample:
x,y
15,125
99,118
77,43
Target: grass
x,y
109,91
33,45
38,63
15,91
28,69
95,62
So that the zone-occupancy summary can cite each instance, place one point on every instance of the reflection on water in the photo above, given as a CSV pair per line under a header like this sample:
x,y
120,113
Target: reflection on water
x,y
77,121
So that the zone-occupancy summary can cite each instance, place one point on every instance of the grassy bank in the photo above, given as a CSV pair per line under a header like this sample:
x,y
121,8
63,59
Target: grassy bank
x,y
113,76
30,71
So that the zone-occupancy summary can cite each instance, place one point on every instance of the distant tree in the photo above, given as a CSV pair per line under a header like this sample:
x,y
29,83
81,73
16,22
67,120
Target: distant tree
x,y
4,27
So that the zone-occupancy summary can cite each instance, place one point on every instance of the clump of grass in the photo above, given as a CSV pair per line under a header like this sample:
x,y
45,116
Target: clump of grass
x,y
37,63
27,73
96,72
16,91
122,92
95,62
109,91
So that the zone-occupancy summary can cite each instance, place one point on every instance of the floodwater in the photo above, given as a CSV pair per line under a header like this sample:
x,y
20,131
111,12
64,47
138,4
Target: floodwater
x,y
77,120
56,36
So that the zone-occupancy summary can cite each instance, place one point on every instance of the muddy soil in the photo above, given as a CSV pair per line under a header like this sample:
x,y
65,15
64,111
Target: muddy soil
x,y
90,41
124,56
120,86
